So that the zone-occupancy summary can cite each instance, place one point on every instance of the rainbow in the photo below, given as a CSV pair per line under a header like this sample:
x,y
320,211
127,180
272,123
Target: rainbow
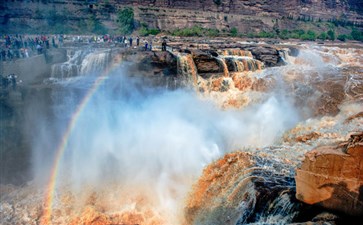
x,y
46,218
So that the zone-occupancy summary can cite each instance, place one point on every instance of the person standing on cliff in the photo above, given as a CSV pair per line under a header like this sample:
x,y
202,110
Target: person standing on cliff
x,y
3,54
130,40
146,45
163,45
137,41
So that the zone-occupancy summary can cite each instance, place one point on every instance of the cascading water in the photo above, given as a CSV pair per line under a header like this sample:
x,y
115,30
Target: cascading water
x,y
242,63
187,68
81,62
130,154
95,62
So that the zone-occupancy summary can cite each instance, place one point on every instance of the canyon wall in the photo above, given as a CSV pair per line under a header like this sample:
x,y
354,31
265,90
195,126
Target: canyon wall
x,y
246,16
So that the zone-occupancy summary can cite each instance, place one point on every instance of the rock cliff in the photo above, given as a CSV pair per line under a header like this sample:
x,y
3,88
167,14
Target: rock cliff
x,y
246,16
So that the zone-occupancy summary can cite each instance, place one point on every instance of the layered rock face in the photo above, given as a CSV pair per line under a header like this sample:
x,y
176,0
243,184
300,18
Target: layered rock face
x,y
319,9
246,16
332,177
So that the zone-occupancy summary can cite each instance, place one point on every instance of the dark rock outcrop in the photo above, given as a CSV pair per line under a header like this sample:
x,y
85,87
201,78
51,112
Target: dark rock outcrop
x,y
205,62
268,55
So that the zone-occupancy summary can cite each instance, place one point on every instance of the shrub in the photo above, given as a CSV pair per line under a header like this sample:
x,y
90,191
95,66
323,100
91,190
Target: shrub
x,y
284,34
308,36
357,35
342,37
195,31
144,31
234,32
331,35
265,34
125,20
323,36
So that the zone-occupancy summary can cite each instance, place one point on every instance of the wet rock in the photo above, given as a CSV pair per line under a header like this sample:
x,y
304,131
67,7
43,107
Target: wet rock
x,y
268,55
241,189
205,62
356,116
213,200
308,137
331,177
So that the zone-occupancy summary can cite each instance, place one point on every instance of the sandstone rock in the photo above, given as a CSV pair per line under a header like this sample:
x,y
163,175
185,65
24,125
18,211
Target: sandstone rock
x,y
332,177
218,192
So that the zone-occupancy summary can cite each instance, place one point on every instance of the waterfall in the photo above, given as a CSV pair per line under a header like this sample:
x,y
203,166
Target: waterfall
x,y
236,52
284,56
95,62
69,68
80,63
243,63
222,63
187,68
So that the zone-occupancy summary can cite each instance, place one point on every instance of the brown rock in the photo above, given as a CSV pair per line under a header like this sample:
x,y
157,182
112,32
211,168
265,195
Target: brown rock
x,y
219,191
332,177
205,62
307,137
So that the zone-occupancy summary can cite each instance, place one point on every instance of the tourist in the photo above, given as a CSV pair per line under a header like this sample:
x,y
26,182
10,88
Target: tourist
x,y
60,40
125,42
163,45
26,52
3,55
146,45
53,42
39,49
10,54
130,40
151,45
137,41
47,43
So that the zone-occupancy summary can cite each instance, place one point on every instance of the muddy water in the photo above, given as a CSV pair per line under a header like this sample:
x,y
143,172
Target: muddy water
x,y
141,156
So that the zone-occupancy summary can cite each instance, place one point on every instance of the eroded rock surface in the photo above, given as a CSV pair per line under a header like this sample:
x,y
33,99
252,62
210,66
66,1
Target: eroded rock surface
x,y
332,177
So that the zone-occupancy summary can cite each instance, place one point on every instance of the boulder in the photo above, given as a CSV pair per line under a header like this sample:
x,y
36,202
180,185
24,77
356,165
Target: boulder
x,y
332,177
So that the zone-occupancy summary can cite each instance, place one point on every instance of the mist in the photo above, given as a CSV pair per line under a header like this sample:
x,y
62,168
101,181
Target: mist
x,y
147,141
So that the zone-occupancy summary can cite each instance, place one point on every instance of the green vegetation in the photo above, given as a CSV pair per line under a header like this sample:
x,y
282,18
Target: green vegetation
x,y
144,31
357,35
308,36
343,37
125,20
93,25
331,35
323,36
195,31
234,32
